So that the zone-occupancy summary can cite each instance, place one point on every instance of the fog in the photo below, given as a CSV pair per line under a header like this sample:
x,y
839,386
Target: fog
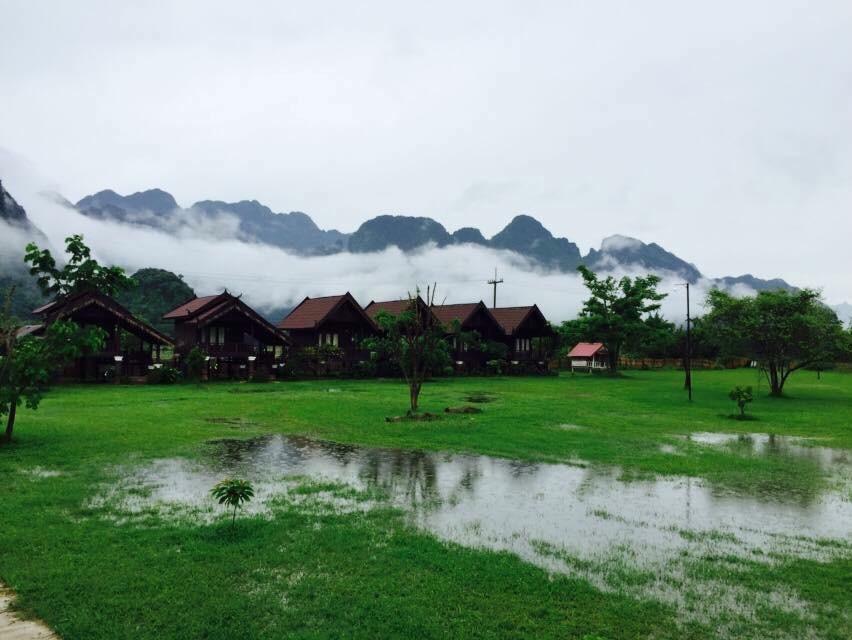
x,y
268,277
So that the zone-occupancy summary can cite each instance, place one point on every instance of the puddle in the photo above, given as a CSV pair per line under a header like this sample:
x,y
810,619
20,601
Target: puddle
x,y
765,444
577,520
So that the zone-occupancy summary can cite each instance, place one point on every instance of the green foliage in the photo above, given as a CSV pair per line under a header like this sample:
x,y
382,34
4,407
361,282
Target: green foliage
x,y
157,291
742,396
81,272
615,312
782,331
196,360
233,492
27,364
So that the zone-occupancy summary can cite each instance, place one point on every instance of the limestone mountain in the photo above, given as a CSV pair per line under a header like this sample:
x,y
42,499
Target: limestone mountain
x,y
405,232
622,250
527,236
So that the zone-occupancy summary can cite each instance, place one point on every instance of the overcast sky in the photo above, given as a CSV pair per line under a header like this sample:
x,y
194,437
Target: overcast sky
x,y
721,130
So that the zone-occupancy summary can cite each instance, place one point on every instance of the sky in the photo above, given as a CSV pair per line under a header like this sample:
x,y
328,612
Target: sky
x,y
722,131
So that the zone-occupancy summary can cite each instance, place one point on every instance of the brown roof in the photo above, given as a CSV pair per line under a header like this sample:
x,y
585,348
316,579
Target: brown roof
x,y
511,317
447,313
393,307
311,312
189,307
70,304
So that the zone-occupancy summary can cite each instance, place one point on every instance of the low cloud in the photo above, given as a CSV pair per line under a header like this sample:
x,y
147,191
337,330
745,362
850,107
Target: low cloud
x,y
203,251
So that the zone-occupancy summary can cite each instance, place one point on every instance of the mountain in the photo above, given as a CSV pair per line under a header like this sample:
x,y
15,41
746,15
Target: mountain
x,y
296,232
255,222
527,236
630,251
16,230
405,232
844,312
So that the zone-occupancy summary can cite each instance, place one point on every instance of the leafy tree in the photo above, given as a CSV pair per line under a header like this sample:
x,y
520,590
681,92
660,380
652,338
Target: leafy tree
x,y
782,331
742,396
614,314
80,273
196,359
27,363
156,292
413,340
233,492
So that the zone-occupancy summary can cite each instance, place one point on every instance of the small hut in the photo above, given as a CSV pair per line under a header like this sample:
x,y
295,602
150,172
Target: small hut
x,y
524,331
588,356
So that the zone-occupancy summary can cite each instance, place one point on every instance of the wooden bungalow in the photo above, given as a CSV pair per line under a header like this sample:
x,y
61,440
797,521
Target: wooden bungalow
x,y
237,340
588,356
525,330
465,318
330,321
132,346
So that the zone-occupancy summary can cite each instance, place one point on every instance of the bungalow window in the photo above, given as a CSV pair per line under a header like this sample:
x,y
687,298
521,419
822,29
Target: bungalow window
x,y
331,339
522,344
216,335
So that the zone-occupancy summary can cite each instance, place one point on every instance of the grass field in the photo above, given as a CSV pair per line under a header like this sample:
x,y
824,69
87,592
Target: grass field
x,y
304,569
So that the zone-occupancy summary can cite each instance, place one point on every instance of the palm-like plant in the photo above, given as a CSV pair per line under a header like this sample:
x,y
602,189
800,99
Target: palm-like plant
x,y
233,492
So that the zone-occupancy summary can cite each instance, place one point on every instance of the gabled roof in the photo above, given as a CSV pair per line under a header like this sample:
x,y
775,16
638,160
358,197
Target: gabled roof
x,y
312,312
393,307
204,310
586,349
448,313
67,306
189,307
513,318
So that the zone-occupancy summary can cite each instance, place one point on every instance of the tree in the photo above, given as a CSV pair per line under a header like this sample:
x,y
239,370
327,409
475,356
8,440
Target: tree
x,y
782,331
614,314
742,396
80,273
27,363
413,340
233,492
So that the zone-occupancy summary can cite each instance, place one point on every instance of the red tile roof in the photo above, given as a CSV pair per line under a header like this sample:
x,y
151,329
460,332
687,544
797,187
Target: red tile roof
x,y
188,308
393,307
585,349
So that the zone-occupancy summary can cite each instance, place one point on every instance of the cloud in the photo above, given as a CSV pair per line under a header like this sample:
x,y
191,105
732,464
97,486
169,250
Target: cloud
x,y
619,243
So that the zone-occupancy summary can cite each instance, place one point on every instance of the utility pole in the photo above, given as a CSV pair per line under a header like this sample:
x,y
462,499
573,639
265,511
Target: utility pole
x,y
495,282
688,363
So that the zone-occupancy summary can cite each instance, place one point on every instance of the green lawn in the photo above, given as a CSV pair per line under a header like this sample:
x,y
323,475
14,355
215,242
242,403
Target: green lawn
x,y
304,573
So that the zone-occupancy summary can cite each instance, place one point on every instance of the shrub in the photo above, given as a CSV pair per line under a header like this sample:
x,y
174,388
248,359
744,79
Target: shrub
x,y
742,396
233,492
163,375
195,362
495,366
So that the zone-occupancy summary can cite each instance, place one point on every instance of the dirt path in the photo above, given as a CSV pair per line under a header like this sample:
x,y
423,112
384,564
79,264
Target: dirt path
x,y
13,628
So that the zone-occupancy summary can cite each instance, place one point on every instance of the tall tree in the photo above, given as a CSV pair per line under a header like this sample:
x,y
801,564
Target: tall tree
x,y
615,312
414,340
81,272
782,331
27,363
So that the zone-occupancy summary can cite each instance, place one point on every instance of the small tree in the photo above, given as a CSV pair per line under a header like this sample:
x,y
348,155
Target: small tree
x,y
80,273
27,363
742,396
233,492
614,314
413,340
196,359
782,331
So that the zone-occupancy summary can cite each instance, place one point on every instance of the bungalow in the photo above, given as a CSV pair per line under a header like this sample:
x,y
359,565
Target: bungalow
x,y
465,318
589,356
236,340
330,321
131,347
524,329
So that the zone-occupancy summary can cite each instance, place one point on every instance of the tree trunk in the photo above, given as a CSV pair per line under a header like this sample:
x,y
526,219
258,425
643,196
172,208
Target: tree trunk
x,y
10,422
414,389
776,384
612,358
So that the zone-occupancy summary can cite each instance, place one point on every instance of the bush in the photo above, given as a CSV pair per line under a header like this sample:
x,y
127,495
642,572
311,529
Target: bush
x,y
742,396
163,375
495,366
195,362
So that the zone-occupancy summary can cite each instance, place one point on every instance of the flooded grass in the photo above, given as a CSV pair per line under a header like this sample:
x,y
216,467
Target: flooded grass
x,y
573,507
